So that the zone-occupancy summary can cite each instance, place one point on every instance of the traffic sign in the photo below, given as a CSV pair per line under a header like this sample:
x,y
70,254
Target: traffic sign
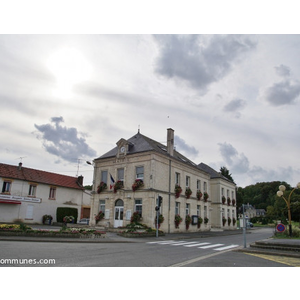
x,y
280,228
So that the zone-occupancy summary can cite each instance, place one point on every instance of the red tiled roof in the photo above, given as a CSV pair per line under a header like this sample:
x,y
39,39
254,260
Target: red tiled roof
x,y
38,176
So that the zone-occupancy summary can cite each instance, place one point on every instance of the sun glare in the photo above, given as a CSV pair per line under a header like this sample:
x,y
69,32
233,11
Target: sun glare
x,y
69,67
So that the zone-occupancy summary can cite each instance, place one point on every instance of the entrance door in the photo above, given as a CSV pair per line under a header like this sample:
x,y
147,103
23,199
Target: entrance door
x,y
118,217
118,222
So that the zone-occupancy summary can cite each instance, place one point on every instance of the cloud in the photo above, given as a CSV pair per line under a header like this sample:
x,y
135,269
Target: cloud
x,y
237,162
199,60
234,106
63,142
283,70
282,93
181,145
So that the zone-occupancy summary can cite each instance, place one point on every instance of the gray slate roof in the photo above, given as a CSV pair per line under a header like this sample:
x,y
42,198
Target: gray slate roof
x,y
213,173
141,143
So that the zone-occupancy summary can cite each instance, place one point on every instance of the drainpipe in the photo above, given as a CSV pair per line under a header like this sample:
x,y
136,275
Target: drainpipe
x,y
169,224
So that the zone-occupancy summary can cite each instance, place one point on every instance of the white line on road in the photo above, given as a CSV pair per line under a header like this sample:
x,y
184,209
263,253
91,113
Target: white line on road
x,y
211,246
226,247
201,244
180,244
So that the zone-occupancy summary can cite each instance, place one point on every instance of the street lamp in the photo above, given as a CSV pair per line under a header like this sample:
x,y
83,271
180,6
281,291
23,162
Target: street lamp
x,y
282,188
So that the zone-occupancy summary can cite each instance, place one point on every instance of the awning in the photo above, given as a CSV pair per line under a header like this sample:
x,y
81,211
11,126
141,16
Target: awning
x,y
6,201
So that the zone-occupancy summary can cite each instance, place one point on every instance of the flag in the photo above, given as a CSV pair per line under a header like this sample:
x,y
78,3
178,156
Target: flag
x,y
112,181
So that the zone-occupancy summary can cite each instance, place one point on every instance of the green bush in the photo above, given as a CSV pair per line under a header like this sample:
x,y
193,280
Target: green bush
x,y
61,212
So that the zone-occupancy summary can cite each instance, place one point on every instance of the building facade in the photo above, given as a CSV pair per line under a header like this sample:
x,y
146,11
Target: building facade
x,y
28,194
129,178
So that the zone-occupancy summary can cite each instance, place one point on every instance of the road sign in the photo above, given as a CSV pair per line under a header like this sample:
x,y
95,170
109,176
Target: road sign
x,y
280,228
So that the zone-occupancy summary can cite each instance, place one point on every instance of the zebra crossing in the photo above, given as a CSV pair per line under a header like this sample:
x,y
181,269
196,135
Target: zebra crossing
x,y
195,244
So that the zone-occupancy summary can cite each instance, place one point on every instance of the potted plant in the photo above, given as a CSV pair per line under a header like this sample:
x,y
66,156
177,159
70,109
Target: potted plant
x,y
199,195
47,219
223,199
101,187
224,220
118,185
99,216
188,221
68,219
135,218
137,184
178,190
228,201
200,220
188,192
205,220
233,202
233,221
178,220
229,221
160,220
206,196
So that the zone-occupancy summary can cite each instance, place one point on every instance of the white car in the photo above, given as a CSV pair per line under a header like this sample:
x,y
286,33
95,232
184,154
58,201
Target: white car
x,y
84,221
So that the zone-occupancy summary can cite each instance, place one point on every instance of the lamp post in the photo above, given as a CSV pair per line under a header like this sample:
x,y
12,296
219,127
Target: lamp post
x,y
282,188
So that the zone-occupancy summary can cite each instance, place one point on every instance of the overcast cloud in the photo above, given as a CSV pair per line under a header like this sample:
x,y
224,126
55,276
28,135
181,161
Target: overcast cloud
x,y
62,141
231,99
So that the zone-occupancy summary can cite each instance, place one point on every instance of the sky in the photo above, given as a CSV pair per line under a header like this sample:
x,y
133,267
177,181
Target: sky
x,y
232,99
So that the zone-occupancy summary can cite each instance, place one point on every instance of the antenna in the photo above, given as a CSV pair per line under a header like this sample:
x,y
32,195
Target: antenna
x,y
78,163
21,157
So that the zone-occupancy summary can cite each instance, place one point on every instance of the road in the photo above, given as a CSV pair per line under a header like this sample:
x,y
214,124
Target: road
x,y
203,252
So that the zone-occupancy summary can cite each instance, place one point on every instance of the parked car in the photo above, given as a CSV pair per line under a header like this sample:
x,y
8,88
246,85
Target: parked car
x,y
249,225
84,221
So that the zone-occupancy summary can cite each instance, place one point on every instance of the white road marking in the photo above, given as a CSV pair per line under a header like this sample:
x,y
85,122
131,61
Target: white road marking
x,y
180,244
211,246
201,244
226,247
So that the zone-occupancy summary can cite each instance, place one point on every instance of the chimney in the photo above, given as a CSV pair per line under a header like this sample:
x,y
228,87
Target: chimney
x,y
170,141
20,166
80,180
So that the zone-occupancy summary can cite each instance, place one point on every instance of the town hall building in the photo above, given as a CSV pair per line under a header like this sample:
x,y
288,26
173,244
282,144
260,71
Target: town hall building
x,y
129,178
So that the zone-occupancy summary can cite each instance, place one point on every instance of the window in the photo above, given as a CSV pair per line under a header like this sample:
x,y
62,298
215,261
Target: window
x,y
177,178
121,174
6,187
205,212
198,184
102,206
205,186
177,208
222,191
138,207
139,172
198,210
104,176
187,209
187,181
32,190
227,193
52,193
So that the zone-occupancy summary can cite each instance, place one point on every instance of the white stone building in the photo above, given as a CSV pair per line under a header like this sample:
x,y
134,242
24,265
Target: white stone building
x,y
160,168
28,194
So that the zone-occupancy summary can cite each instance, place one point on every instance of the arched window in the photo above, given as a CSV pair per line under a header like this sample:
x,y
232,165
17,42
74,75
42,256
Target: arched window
x,y
119,202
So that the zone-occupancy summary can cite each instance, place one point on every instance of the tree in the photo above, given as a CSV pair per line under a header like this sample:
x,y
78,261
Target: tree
x,y
225,172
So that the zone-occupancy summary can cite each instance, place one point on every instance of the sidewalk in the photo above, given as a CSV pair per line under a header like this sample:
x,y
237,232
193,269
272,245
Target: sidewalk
x,y
113,237
273,246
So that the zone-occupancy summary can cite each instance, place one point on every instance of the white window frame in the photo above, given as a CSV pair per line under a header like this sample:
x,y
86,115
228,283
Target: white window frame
x,y
139,172
138,206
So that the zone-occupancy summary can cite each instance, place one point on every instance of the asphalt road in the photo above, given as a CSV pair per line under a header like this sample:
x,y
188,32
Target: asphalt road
x,y
203,252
